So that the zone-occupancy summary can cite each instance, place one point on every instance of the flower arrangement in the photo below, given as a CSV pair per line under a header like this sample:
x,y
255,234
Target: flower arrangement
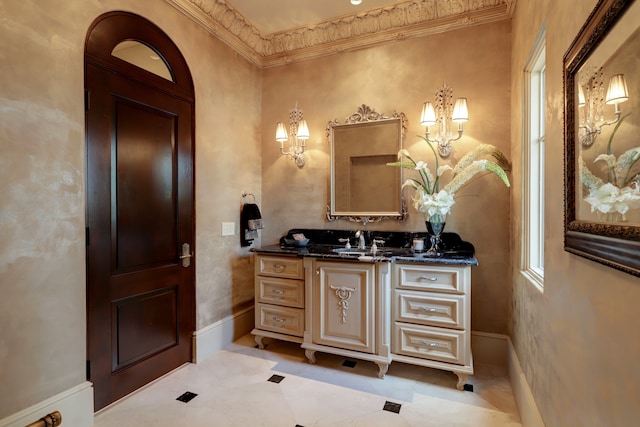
x,y
621,191
436,202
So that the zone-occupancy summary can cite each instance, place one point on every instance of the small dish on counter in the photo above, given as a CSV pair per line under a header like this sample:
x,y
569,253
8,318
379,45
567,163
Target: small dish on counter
x,y
296,243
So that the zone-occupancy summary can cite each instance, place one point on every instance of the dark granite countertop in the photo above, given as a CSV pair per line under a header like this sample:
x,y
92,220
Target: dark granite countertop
x,y
396,248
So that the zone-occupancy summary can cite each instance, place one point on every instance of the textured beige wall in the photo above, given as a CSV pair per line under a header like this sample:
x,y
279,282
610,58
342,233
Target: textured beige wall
x,y
578,341
400,76
42,267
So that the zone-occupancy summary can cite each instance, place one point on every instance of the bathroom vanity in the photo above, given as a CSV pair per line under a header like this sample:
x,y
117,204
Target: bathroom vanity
x,y
391,305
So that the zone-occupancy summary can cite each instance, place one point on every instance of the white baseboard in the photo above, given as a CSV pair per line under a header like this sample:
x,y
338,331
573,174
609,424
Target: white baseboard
x,y
215,337
75,405
497,350
489,348
529,413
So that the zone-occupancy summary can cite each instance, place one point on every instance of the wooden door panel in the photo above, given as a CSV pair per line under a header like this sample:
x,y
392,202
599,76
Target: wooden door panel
x,y
144,197
144,325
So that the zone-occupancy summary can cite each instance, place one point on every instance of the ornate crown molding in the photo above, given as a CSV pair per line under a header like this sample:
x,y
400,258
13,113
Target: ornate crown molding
x,y
401,21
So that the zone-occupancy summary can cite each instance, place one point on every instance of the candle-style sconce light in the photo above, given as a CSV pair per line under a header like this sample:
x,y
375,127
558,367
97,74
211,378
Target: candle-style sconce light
x,y
444,113
297,136
592,101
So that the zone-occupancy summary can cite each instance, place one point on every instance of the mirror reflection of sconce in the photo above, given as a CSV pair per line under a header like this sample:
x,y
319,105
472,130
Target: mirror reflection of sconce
x,y
591,103
298,135
443,113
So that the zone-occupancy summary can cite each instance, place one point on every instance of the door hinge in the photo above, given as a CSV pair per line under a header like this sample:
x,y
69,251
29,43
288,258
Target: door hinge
x,y
88,370
87,236
87,99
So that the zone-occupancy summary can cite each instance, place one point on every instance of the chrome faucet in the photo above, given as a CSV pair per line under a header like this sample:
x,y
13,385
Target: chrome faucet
x,y
362,244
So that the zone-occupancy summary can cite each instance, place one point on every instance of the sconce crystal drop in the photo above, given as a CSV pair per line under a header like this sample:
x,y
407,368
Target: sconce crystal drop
x,y
444,113
297,136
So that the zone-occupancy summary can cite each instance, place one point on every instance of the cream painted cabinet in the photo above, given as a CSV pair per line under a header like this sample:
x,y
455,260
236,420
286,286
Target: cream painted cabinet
x,y
279,298
345,311
431,313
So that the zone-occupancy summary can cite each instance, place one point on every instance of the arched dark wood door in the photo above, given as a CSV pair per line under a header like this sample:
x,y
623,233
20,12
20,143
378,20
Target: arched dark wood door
x,y
140,209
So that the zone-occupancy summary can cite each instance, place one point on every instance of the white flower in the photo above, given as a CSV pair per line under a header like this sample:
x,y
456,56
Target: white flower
x,y
609,198
431,205
610,159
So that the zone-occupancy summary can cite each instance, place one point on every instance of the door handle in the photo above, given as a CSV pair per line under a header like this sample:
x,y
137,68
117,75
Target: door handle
x,y
186,255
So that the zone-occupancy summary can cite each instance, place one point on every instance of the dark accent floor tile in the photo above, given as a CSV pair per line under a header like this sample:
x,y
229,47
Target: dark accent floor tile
x,y
468,387
349,363
276,378
186,396
392,407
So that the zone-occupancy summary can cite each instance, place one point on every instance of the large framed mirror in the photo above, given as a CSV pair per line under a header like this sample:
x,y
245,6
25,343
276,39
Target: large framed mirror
x,y
602,148
363,188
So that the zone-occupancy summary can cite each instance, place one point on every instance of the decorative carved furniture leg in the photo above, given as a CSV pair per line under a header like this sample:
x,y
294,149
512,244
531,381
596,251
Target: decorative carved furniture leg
x,y
311,355
462,379
258,339
384,367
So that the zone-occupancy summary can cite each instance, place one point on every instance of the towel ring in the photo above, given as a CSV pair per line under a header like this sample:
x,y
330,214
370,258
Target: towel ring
x,y
245,194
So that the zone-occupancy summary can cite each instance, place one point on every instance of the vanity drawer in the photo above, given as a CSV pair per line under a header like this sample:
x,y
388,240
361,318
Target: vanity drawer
x,y
273,290
431,343
430,278
280,267
426,308
279,319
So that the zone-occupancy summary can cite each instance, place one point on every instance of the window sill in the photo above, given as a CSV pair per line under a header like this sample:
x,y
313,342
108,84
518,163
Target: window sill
x,y
534,278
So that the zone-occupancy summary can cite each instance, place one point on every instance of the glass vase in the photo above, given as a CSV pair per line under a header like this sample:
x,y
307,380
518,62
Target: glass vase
x,y
435,226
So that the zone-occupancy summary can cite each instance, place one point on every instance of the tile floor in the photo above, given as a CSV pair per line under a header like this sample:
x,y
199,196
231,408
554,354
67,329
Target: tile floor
x,y
276,387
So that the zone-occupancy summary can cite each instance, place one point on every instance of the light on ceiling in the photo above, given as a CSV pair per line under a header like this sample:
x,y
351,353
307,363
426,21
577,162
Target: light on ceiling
x,y
297,137
356,2
442,114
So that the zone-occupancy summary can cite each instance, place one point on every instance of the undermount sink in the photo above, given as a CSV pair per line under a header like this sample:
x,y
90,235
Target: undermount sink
x,y
360,252
349,251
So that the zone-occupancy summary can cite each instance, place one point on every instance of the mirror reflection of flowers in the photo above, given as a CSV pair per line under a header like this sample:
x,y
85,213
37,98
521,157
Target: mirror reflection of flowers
x,y
436,202
621,190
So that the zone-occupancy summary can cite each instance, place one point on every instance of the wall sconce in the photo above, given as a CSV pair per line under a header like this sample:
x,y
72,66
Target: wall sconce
x,y
445,111
591,102
299,132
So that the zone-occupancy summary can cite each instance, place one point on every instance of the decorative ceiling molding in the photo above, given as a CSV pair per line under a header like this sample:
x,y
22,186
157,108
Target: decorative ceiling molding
x,y
401,21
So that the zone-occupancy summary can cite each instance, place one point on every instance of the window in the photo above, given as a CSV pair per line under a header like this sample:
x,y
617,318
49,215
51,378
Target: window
x,y
533,165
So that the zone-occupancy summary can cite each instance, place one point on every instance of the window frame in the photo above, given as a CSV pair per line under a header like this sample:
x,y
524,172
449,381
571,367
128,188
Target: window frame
x,y
533,141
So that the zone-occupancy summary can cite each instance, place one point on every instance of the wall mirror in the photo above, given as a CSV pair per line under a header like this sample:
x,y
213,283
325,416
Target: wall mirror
x,y
602,148
363,188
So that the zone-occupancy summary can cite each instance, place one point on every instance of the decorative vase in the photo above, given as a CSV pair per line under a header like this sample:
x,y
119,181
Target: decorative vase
x,y
435,226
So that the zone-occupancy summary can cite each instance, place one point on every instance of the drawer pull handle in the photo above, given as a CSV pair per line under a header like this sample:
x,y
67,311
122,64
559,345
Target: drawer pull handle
x,y
277,319
431,279
277,292
429,343
279,268
425,308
